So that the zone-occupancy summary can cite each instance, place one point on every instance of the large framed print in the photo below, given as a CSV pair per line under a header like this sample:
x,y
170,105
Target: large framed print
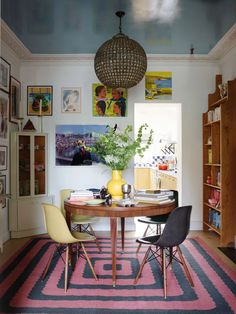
x,y
15,95
71,99
3,189
3,158
5,70
72,141
39,100
4,114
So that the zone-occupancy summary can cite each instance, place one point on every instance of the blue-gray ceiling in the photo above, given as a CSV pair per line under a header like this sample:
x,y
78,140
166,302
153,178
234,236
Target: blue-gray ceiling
x,y
81,26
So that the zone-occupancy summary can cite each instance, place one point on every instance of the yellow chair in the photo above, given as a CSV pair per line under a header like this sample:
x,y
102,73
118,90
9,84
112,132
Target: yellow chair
x,y
84,222
58,231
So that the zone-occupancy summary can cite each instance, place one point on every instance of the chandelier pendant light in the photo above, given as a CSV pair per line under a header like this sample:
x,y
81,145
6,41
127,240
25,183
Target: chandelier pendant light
x,y
120,61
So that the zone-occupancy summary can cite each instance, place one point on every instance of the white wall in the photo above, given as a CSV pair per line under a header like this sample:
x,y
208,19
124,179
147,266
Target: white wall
x,y
192,81
228,65
14,61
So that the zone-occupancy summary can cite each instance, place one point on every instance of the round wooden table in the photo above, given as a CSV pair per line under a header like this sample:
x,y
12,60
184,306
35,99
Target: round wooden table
x,y
115,212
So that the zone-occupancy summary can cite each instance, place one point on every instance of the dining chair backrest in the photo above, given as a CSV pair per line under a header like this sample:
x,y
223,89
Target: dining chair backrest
x,y
56,225
176,228
65,193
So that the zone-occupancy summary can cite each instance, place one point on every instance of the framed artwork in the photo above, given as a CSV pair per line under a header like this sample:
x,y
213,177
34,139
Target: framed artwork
x,y
71,99
71,140
5,70
3,158
15,96
39,100
109,102
4,114
158,85
3,189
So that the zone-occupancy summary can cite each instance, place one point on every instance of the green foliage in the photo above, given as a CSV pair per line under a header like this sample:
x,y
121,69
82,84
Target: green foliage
x,y
116,148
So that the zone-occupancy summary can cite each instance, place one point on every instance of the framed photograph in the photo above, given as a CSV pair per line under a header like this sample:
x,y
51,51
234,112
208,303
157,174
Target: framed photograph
x,y
71,143
3,158
158,85
109,102
3,189
5,70
15,96
71,99
4,114
39,100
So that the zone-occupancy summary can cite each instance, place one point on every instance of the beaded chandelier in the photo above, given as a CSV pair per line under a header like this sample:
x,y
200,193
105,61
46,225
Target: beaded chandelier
x,y
120,61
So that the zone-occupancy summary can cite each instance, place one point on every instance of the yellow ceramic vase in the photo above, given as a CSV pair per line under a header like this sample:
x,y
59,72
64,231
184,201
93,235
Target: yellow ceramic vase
x,y
114,185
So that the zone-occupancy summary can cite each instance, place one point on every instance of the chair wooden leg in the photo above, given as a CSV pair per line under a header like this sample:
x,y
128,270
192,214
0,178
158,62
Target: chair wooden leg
x,y
185,266
142,265
145,232
47,265
66,268
89,262
93,233
163,253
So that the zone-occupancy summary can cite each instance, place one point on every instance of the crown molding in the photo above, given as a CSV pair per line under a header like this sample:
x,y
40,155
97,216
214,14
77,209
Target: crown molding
x,y
226,43
13,42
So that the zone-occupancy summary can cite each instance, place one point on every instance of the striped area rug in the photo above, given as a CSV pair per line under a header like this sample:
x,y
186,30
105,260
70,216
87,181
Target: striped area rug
x,y
23,291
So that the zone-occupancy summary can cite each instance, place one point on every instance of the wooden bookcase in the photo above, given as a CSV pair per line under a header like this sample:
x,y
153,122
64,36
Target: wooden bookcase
x,y
219,163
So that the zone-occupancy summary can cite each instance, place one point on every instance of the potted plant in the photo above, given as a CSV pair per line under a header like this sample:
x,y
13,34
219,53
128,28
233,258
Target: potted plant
x,y
116,148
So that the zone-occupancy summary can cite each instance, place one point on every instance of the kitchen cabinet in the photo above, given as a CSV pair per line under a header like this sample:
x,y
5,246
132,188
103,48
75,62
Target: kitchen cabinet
x,y
28,183
219,167
152,178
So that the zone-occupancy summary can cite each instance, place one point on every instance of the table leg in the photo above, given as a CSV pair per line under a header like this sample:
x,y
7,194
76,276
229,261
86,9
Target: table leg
x,y
113,226
122,222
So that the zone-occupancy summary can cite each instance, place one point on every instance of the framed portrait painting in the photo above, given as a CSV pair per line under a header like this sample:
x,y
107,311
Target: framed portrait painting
x,y
5,70
109,102
3,158
4,114
3,189
71,99
15,95
39,100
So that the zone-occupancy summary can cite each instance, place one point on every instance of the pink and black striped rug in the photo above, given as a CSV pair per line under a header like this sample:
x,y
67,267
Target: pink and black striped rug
x,y
23,291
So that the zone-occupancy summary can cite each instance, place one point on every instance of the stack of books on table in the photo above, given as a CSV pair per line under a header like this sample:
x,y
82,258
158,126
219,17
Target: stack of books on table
x,y
81,196
154,196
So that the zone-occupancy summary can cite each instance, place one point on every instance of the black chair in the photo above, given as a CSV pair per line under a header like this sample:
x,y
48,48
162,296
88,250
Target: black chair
x,y
156,221
167,244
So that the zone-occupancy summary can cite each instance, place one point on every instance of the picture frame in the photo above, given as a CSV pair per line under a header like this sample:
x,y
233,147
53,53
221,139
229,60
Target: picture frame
x,y
70,99
158,86
69,141
39,100
4,115
15,97
3,189
109,102
5,70
3,157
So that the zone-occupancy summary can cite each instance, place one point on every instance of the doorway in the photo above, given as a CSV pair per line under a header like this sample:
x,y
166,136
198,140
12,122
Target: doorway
x,y
166,149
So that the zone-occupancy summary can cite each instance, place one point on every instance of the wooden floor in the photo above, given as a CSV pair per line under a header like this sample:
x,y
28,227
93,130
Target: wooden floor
x,y
12,246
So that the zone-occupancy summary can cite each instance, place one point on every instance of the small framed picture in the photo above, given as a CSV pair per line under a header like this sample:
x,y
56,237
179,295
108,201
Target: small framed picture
x,y
71,99
3,190
39,100
15,95
3,158
4,114
5,70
